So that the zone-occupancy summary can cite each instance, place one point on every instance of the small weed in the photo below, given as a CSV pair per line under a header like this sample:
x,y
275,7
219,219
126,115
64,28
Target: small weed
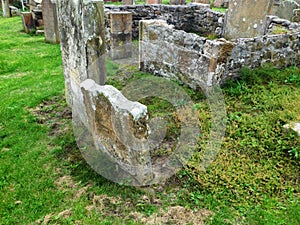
x,y
212,36
279,30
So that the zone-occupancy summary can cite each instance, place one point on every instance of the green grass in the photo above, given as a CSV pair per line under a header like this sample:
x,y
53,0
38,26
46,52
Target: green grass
x,y
254,180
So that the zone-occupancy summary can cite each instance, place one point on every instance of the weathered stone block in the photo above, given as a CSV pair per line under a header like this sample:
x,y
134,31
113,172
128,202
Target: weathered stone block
x,y
285,9
245,18
82,33
27,21
50,21
5,8
121,22
296,15
221,3
171,53
121,34
119,130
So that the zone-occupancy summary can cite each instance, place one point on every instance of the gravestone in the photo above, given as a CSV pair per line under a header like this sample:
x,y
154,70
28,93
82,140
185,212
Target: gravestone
x,y
82,37
50,21
221,3
151,2
37,16
285,9
27,20
116,134
245,18
5,8
127,2
121,35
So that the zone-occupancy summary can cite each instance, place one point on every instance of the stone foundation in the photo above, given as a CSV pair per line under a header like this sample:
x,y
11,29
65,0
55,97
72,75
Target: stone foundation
x,y
200,62
195,18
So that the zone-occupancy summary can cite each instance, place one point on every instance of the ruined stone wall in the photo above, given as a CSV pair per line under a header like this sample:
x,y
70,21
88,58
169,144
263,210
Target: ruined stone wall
x,y
197,61
280,50
274,24
187,57
195,18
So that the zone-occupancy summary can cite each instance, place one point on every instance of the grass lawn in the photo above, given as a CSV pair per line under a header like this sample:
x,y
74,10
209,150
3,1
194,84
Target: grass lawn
x,y
44,179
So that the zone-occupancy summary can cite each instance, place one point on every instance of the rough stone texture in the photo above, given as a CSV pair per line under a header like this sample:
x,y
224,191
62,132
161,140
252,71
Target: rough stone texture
x,y
5,8
197,61
285,9
296,15
50,21
127,2
187,57
14,11
294,126
149,2
245,18
37,16
279,50
120,35
27,20
119,129
276,25
221,3
177,2
82,36
196,18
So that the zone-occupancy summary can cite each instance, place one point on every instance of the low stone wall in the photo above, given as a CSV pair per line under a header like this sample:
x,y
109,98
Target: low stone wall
x,y
195,18
279,50
187,57
274,24
197,61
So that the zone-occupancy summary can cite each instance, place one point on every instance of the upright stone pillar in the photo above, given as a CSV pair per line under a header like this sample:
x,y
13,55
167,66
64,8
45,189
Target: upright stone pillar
x,y
221,3
82,35
27,20
50,21
245,18
5,8
121,35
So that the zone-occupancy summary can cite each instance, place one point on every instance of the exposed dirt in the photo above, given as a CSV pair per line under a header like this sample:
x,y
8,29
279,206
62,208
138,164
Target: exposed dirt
x,y
54,218
173,215
66,182
177,215
55,114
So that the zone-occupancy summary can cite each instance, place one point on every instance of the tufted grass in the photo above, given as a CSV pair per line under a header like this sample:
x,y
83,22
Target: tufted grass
x,y
254,180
